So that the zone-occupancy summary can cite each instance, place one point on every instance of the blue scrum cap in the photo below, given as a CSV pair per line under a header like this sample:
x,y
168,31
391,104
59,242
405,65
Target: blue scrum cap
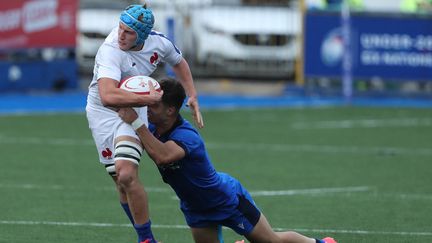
x,y
140,19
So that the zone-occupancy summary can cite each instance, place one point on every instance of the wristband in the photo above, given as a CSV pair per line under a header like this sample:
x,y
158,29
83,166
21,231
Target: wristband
x,y
137,124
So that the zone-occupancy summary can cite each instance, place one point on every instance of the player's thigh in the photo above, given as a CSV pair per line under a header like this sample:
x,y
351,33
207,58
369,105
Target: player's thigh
x,y
125,132
128,138
103,124
262,232
205,235
128,152
128,147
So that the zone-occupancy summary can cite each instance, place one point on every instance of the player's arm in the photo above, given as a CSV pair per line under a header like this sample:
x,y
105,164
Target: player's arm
x,y
161,153
112,96
182,71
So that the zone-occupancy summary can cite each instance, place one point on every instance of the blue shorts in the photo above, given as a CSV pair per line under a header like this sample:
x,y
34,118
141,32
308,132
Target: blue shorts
x,y
242,217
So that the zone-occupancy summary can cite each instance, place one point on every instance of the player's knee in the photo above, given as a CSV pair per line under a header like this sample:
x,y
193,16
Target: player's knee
x,y
125,178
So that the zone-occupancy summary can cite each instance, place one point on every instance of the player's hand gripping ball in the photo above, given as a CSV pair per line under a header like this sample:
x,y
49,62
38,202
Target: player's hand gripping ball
x,y
139,84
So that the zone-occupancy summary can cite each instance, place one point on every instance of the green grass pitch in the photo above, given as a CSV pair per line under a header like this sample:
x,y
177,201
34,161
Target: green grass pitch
x,y
357,174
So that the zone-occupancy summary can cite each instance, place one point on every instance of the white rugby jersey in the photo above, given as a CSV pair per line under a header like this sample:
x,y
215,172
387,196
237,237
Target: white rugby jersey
x,y
112,62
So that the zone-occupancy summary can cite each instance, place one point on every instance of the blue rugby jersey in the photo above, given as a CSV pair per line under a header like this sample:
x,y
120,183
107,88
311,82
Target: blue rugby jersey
x,y
198,185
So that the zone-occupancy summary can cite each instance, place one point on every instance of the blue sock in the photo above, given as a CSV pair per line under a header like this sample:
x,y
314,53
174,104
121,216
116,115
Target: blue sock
x,y
126,208
319,241
220,236
144,232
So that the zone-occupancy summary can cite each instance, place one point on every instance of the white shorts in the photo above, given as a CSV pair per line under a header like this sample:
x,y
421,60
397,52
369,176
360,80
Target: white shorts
x,y
106,126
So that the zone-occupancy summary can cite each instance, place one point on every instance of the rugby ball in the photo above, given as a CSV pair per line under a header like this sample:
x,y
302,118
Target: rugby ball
x,y
139,84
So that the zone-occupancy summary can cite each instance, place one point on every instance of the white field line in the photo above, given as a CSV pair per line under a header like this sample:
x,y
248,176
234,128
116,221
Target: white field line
x,y
359,232
68,188
364,123
260,193
160,226
240,146
46,141
320,148
266,193
313,191
309,191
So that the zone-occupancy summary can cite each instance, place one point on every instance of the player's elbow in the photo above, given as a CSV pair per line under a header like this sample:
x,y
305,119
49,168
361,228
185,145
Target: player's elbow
x,y
162,160
108,95
107,101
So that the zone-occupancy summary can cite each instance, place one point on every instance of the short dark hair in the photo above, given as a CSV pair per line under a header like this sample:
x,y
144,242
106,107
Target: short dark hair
x,y
173,93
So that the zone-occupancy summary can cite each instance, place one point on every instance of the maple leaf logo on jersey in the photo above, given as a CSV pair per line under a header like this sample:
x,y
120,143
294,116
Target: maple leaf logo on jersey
x,y
107,153
154,59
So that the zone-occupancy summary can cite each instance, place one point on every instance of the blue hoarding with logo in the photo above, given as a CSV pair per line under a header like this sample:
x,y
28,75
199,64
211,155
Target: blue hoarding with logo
x,y
391,47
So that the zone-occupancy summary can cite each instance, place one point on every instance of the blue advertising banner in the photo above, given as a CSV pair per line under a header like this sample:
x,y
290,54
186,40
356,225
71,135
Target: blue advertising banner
x,y
392,47
38,75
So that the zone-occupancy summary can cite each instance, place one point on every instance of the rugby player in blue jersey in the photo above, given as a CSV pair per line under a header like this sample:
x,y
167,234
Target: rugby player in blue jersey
x,y
208,198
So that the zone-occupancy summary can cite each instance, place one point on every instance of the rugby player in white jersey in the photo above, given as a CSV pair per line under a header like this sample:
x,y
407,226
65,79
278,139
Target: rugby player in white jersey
x,y
132,48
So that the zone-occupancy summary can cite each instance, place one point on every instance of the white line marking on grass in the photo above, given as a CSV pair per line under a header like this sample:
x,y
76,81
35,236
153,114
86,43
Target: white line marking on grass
x,y
309,191
363,123
55,223
320,148
161,226
359,232
46,141
61,187
263,193
314,191
240,146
